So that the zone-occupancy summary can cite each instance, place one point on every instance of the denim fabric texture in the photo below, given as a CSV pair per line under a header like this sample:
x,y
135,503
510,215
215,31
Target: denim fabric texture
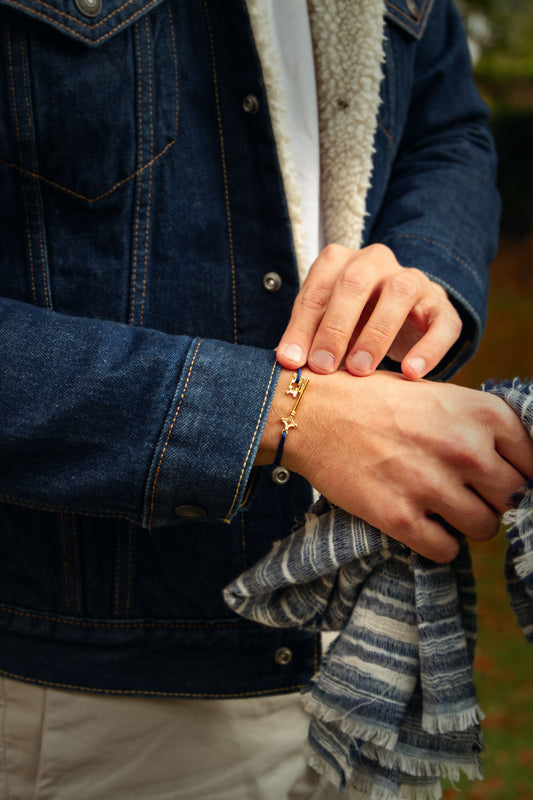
x,y
140,206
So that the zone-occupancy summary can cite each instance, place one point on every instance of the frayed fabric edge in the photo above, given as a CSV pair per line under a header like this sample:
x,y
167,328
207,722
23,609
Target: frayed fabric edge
x,y
454,722
417,767
360,787
356,730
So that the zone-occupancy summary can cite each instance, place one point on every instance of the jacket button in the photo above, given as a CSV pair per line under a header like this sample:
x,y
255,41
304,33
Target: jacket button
x,y
250,104
414,9
283,656
280,475
89,8
190,512
272,281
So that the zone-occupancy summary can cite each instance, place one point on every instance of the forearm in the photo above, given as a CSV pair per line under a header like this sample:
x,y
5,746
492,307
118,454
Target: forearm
x,y
113,420
405,455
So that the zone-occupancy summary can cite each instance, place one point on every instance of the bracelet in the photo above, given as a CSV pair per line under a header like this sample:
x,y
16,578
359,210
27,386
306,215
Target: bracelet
x,y
297,387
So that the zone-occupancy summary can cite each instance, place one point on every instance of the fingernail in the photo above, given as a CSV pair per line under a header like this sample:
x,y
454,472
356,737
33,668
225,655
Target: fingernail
x,y
417,364
322,360
293,352
361,361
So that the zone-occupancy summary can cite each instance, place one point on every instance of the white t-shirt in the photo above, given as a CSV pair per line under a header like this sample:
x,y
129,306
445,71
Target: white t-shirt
x,y
292,39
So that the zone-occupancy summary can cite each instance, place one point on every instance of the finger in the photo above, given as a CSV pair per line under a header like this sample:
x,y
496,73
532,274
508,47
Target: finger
x,y
470,514
351,294
512,442
444,329
426,536
399,295
309,307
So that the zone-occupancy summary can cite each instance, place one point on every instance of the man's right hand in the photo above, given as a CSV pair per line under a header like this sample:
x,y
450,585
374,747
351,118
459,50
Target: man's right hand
x,y
402,454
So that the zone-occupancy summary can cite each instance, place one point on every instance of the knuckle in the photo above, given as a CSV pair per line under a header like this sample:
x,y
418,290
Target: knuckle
x,y
377,333
354,282
401,522
380,251
334,252
404,284
335,329
315,297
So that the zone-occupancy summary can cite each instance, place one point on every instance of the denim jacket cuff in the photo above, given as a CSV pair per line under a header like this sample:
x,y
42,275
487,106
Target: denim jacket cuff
x,y
461,281
205,455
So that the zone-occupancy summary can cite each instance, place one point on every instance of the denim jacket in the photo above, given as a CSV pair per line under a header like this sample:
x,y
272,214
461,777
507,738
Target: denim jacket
x,y
142,206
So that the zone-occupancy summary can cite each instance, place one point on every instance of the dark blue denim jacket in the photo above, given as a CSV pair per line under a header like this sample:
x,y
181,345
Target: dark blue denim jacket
x,y
140,207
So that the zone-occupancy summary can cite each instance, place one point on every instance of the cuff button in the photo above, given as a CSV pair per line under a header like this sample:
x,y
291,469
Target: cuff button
x,y
283,656
190,512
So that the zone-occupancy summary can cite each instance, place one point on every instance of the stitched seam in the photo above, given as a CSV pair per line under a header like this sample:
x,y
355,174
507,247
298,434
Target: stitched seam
x,y
437,244
149,201
244,555
38,506
34,166
80,23
228,516
175,58
171,428
84,623
406,20
224,174
130,564
116,608
385,131
137,172
148,693
23,186
75,553
139,188
96,198
65,565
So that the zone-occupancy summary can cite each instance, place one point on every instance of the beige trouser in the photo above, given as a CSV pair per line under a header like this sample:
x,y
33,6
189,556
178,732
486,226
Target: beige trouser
x,y
57,745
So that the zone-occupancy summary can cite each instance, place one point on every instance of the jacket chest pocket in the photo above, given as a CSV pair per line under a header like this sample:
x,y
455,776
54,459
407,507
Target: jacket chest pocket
x,y
88,94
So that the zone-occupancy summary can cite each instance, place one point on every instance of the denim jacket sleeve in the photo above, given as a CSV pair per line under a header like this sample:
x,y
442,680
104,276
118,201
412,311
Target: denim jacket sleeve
x,y
435,198
90,429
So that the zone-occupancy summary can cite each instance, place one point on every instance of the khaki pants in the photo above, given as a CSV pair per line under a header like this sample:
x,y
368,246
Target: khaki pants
x,y
58,745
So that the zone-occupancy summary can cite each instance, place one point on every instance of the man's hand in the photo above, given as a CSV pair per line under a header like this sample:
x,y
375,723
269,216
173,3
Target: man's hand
x,y
362,305
403,454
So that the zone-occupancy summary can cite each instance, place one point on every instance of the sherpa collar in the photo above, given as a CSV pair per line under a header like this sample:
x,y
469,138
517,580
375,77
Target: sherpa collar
x,y
348,51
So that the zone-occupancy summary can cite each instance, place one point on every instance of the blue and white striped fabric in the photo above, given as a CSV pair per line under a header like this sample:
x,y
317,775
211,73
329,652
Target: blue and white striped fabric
x,y
393,706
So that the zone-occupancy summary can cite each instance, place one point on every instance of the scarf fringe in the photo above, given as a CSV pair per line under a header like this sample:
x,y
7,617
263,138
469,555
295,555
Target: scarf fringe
x,y
450,723
361,787
346,724
418,767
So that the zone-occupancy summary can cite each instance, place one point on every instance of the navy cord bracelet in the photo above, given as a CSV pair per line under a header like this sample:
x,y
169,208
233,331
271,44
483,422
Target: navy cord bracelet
x,y
296,388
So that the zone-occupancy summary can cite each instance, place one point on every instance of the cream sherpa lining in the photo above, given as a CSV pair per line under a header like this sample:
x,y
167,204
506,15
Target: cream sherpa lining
x,y
348,52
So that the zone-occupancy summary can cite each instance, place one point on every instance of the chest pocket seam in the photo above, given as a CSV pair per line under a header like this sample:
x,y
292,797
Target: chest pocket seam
x,y
50,18
34,174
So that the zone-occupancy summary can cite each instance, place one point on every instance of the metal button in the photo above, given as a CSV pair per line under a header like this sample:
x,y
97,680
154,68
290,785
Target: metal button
x,y
272,281
413,8
250,104
190,512
280,475
89,8
283,656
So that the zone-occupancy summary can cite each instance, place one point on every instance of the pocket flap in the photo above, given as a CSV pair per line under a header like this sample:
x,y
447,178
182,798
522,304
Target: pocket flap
x,y
91,21
411,15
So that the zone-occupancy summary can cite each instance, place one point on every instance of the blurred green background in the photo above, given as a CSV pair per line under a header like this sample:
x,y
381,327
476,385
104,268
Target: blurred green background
x,y
501,37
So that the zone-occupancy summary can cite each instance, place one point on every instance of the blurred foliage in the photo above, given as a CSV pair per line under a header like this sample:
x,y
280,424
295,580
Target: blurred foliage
x,y
501,32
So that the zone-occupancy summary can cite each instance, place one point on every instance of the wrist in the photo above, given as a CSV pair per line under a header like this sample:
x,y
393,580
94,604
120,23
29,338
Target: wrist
x,y
281,422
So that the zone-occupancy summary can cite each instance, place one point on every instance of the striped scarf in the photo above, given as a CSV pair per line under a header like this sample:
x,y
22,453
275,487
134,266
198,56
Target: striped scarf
x,y
393,707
